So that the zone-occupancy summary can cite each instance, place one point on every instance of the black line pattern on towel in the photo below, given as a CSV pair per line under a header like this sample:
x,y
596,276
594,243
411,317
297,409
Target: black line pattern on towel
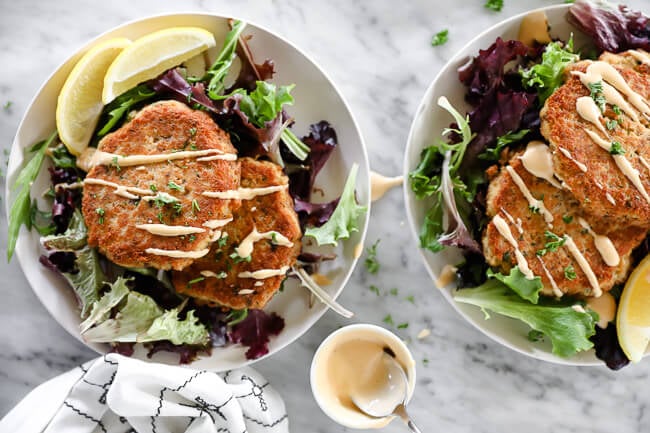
x,y
104,386
162,394
204,407
257,391
85,415
109,362
81,367
251,393
276,422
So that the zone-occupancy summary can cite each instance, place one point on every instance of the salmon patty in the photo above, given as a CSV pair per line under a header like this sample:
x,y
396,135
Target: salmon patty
x,y
539,235
248,264
154,214
604,162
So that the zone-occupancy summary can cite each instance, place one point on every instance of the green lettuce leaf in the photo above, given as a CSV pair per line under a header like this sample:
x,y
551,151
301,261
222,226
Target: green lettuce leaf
x,y
344,219
219,69
518,283
117,109
101,308
170,327
73,239
548,75
568,330
134,319
265,102
88,281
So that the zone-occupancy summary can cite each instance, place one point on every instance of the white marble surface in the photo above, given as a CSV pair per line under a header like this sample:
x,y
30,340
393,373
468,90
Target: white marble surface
x,y
378,53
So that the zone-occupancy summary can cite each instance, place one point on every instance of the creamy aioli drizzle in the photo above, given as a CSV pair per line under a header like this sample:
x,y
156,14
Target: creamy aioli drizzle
x,y
379,184
209,274
121,190
517,223
588,110
246,292
566,153
532,201
503,228
603,244
213,224
178,254
245,247
610,199
74,185
641,56
556,290
160,195
623,164
264,273
98,157
244,193
169,230
583,263
537,159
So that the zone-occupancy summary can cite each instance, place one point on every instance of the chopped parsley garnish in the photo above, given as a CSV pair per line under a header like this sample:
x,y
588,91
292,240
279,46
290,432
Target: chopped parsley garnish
x,y
99,211
160,217
192,238
222,240
388,320
195,280
195,206
153,188
403,325
7,105
221,275
596,93
570,273
372,265
178,208
425,362
611,124
192,132
394,291
567,219
411,299
616,148
533,209
115,164
494,5
554,242
616,109
440,38
238,259
374,289
162,199
173,186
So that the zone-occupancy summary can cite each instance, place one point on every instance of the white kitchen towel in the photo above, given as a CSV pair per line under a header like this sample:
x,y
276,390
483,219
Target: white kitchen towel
x,y
117,394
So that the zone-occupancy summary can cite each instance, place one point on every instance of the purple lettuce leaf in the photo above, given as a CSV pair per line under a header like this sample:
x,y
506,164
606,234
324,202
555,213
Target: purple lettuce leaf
x,y
314,214
173,83
65,200
187,353
607,347
612,27
322,141
60,262
250,71
255,331
125,349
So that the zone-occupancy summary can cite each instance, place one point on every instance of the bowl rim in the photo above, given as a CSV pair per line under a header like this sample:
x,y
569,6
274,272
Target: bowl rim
x,y
409,198
16,162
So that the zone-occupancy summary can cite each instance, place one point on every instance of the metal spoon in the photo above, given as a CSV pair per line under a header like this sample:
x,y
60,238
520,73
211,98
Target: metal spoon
x,y
387,396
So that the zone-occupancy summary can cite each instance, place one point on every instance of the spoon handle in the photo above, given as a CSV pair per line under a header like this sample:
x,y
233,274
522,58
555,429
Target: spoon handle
x,y
401,411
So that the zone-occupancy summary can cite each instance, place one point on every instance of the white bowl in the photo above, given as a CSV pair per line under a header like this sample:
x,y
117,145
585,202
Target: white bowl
x,y
316,98
319,378
428,123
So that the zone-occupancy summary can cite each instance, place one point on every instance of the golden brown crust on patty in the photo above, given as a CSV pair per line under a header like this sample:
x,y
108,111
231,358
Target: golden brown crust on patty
x,y
160,128
504,196
603,182
271,212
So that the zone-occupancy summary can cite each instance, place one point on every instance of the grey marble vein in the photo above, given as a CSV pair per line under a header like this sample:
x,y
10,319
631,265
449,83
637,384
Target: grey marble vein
x,y
379,55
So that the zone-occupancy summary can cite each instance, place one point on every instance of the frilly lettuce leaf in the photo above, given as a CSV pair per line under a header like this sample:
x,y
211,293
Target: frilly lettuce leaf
x,y
73,239
344,218
101,309
569,330
88,280
133,319
518,283
169,327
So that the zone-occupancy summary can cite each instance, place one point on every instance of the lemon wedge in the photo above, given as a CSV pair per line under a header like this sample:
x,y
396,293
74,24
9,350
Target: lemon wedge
x,y
153,54
633,314
80,100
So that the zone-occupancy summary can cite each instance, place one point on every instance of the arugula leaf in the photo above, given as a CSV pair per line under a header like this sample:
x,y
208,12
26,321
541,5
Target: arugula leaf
x,y
344,218
36,215
20,212
494,153
425,179
517,281
568,329
119,107
219,69
440,38
62,158
549,74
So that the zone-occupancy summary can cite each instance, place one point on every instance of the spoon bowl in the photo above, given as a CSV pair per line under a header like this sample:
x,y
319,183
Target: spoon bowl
x,y
385,392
